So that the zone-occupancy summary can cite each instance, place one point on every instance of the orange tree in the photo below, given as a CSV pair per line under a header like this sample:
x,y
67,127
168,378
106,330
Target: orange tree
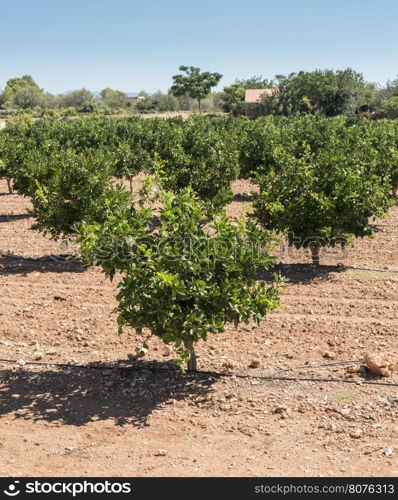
x,y
185,276
73,187
5,172
202,155
322,198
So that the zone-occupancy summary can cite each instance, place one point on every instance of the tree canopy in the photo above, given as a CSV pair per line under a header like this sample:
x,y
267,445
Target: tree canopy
x,y
327,92
194,83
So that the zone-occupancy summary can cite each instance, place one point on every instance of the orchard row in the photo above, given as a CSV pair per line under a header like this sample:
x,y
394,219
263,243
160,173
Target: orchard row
x,y
185,268
319,179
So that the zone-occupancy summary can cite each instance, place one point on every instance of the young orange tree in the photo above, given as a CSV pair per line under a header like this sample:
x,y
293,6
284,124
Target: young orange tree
x,y
185,275
322,199
72,187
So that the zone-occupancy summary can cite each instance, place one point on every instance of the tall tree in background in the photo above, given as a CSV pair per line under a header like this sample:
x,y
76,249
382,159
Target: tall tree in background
x,y
113,98
2,99
390,107
14,85
27,97
327,92
76,98
390,90
194,83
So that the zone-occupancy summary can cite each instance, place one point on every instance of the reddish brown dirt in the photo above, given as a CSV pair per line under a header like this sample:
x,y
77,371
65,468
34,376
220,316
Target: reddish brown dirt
x,y
74,422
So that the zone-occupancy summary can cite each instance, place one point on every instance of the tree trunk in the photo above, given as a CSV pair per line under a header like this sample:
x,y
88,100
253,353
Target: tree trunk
x,y
191,365
315,254
131,183
200,107
9,185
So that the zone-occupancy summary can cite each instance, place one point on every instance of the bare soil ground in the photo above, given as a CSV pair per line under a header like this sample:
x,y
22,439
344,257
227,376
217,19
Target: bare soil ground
x,y
123,422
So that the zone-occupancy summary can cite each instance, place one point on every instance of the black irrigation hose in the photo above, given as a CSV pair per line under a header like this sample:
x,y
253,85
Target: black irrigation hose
x,y
220,374
336,380
387,271
307,367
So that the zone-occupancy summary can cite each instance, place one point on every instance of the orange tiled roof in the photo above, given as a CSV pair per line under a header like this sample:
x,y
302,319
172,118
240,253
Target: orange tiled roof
x,y
254,95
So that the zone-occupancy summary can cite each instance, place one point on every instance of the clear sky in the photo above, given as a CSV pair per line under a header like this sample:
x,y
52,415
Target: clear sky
x,y
132,45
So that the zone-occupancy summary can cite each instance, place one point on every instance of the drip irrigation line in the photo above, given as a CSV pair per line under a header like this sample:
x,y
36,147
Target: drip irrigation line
x,y
219,374
331,267
387,271
335,380
321,365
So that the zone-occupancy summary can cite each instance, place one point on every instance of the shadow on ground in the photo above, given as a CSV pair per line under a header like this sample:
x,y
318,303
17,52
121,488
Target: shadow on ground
x,y
300,273
76,396
239,197
13,217
62,263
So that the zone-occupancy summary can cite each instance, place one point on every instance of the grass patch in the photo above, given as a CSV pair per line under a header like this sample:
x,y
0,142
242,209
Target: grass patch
x,y
341,397
368,275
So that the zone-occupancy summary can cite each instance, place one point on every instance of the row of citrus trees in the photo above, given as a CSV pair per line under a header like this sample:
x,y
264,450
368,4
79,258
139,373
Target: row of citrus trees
x,y
185,268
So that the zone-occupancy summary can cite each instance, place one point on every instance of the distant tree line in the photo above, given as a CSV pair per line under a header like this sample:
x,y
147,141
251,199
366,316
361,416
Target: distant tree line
x,y
320,92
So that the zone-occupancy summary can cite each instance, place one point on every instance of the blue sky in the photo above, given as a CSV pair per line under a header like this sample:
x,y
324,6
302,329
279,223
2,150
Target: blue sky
x,y
133,45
